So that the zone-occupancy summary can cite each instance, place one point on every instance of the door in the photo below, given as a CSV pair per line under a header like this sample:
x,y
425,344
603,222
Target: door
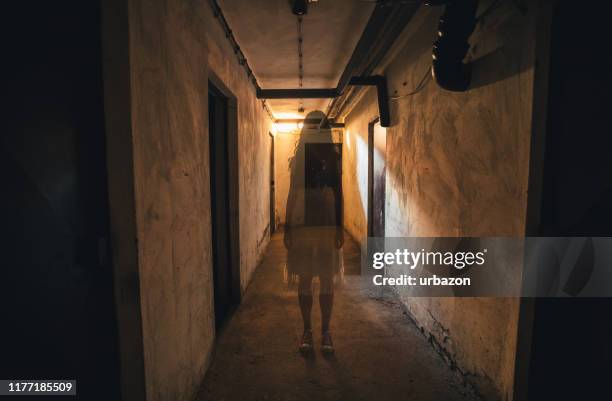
x,y
272,189
377,145
323,164
219,199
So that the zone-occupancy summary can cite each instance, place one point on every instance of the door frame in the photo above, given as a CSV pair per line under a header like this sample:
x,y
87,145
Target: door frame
x,y
272,186
232,184
370,209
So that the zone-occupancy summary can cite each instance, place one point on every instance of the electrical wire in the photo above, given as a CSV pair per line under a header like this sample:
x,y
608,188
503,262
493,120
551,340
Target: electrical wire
x,y
422,84
427,77
238,52
300,60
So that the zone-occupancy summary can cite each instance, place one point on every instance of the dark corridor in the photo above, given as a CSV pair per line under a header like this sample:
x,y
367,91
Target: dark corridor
x,y
190,189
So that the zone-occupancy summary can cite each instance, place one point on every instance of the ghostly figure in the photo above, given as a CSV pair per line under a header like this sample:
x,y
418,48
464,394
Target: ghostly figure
x,y
313,228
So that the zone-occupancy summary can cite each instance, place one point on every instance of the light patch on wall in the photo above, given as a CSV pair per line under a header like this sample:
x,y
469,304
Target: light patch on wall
x,y
405,214
361,163
288,116
286,128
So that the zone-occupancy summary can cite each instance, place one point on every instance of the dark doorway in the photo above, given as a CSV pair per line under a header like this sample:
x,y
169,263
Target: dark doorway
x,y
225,272
323,168
570,351
272,189
56,291
377,145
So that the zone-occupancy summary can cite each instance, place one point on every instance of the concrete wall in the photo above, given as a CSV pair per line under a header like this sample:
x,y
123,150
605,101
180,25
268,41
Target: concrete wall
x,y
254,128
173,45
284,150
457,165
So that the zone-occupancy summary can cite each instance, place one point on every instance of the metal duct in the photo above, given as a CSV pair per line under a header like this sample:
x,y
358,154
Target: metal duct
x,y
455,27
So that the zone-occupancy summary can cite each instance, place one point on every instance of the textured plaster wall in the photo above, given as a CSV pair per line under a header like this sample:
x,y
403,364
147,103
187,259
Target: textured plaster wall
x,y
355,165
457,165
254,127
172,43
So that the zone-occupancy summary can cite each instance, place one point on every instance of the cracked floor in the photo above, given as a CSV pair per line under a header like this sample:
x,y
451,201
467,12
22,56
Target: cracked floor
x,y
380,353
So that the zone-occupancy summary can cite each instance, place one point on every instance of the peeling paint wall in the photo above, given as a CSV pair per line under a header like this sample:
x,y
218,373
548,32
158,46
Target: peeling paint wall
x,y
457,165
172,46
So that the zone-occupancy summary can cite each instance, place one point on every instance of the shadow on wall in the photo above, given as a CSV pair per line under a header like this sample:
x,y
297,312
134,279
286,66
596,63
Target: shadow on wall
x,y
402,208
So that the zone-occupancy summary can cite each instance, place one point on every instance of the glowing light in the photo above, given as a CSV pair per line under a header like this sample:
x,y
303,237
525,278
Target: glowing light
x,y
286,128
288,116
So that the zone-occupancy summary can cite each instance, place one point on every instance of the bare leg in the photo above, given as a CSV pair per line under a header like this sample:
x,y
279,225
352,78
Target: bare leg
x,y
305,300
326,302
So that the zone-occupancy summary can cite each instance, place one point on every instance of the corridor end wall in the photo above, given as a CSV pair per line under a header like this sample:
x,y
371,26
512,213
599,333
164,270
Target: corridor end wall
x,y
457,165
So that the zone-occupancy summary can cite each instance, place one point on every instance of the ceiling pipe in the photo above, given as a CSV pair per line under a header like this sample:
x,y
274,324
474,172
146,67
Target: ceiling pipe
x,y
299,7
218,14
387,21
450,48
382,95
302,93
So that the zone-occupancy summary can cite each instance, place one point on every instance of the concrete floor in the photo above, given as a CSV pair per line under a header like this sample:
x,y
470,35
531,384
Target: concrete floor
x,y
380,353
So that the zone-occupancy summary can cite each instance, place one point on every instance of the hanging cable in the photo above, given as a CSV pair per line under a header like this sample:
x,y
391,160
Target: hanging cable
x,y
421,85
300,61
238,52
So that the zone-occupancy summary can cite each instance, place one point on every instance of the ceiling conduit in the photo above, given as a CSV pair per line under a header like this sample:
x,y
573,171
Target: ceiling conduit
x,y
450,48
